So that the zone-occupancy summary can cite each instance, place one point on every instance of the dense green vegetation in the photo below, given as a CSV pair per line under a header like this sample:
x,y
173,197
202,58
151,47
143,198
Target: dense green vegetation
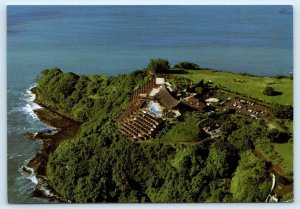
x,y
84,97
101,165
158,66
283,111
250,181
187,65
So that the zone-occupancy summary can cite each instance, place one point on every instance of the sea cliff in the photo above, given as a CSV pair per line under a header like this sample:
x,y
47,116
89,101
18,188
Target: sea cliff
x,y
61,128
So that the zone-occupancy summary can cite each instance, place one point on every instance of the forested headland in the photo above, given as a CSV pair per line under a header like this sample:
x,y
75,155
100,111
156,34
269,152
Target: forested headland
x,y
102,165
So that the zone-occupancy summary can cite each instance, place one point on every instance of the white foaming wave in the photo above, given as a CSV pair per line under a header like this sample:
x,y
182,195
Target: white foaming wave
x,y
29,109
26,183
46,192
30,106
28,187
33,179
30,176
24,186
14,156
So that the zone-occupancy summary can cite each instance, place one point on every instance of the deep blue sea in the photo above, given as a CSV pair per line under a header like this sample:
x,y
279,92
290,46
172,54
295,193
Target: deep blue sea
x,y
118,39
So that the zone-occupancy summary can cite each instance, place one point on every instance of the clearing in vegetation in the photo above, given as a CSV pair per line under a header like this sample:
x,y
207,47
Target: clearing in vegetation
x,y
183,131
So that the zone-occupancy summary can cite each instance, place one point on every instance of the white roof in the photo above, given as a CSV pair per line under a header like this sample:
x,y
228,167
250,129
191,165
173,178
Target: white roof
x,y
168,84
160,81
170,88
212,100
153,92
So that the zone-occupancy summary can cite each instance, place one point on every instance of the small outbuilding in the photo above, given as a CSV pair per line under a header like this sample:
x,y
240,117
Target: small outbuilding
x,y
160,81
211,100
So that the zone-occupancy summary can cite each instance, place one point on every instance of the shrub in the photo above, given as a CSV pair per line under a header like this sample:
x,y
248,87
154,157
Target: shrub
x,y
269,91
282,111
158,66
187,65
276,136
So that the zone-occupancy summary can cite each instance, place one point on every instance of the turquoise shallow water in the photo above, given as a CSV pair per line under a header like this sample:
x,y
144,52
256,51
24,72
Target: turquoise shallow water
x,y
119,39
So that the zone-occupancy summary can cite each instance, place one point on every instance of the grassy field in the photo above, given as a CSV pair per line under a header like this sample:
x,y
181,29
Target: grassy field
x,y
183,131
286,151
290,125
248,85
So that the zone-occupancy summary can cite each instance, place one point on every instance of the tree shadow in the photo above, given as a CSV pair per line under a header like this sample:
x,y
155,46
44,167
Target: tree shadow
x,y
177,71
284,138
277,93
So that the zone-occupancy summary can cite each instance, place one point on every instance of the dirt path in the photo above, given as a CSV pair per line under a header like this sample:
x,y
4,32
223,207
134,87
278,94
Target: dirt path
x,y
274,167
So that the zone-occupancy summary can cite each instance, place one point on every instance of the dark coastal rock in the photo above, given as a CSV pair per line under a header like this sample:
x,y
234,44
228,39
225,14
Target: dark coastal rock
x,y
38,193
53,119
42,135
64,128
27,171
30,135
44,190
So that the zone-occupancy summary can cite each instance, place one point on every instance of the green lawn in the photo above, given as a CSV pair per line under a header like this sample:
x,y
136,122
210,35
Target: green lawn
x,y
250,86
183,131
286,151
290,125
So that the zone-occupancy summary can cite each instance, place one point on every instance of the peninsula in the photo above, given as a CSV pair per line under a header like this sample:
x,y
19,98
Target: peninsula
x,y
170,134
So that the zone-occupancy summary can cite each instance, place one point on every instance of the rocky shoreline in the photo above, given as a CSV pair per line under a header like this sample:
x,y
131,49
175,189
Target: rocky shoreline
x,y
61,128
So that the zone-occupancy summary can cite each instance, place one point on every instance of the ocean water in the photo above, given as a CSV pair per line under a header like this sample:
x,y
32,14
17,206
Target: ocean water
x,y
118,39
